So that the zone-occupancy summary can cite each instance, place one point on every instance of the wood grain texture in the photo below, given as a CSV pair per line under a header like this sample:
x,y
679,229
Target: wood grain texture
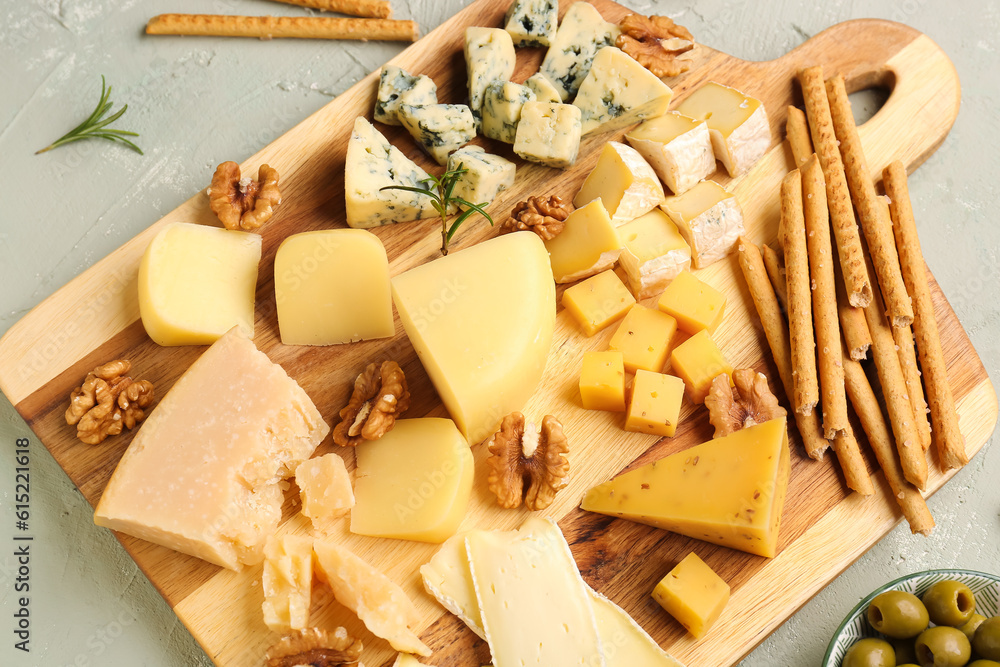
x,y
95,318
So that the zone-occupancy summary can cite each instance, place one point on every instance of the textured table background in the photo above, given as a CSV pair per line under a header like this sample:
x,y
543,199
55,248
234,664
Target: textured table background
x,y
199,101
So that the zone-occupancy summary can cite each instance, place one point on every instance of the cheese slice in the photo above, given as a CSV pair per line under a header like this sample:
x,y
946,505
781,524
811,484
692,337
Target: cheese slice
x,y
532,22
677,147
618,92
481,322
395,86
489,57
729,491
587,245
203,474
738,124
653,253
501,112
710,220
548,133
582,32
486,175
287,582
440,129
543,88
624,182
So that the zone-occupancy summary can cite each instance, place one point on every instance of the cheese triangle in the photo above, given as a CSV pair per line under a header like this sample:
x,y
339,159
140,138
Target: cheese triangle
x,y
619,92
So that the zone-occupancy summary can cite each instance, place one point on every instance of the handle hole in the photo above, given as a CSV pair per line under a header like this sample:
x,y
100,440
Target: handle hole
x,y
869,93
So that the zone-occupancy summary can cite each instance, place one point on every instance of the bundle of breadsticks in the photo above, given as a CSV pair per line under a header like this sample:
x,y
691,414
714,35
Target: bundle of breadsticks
x,y
859,291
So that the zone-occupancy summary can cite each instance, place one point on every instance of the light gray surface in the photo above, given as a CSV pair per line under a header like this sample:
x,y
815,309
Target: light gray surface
x,y
197,102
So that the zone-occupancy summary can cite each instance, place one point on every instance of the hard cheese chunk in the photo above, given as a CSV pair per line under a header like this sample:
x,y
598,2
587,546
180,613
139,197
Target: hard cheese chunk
x,y
695,305
414,482
709,218
287,582
644,338
486,175
196,283
698,361
653,253
395,86
582,32
693,594
332,286
624,182
587,245
440,129
502,103
618,92
678,148
542,88
548,133
655,405
324,487
602,381
738,123
407,660
373,163
598,301
489,57
203,474
481,322
532,22
729,491
380,604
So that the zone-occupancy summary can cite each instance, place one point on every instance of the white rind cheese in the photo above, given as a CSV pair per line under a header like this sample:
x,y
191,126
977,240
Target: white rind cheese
x,y
548,133
710,220
489,57
396,86
440,129
624,182
486,174
618,92
501,110
543,89
677,147
532,22
738,123
653,253
582,32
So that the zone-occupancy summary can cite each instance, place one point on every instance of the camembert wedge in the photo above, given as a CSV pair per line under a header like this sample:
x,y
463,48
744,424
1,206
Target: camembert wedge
x,y
677,147
710,220
738,124
587,245
653,253
624,182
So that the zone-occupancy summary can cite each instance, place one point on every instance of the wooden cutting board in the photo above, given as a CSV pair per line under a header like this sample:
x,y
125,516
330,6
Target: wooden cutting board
x,y
95,318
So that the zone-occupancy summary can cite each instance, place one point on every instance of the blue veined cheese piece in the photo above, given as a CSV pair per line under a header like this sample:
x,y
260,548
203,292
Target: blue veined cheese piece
x,y
532,22
486,174
395,86
373,163
489,56
582,33
548,133
439,128
501,111
619,92
542,88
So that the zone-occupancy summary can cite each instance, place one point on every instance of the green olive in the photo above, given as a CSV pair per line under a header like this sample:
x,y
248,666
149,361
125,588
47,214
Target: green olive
x,y
870,653
898,614
984,663
986,641
905,653
943,646
949,603
970,626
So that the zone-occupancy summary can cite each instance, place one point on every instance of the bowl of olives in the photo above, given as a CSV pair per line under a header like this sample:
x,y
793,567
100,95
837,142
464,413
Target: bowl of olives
x,y
937,618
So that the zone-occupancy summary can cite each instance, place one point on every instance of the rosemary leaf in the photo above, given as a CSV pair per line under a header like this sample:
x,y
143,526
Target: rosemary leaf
x,y
96,125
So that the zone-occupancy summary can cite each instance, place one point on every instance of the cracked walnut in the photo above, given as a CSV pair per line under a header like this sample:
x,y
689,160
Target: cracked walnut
x,y
108,401
380,395
527,465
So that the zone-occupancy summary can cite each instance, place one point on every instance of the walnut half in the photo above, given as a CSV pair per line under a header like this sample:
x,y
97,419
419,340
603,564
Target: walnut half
x,y
315,648
108,401
751,402
656,42
241,202
546,216
380,395
527,465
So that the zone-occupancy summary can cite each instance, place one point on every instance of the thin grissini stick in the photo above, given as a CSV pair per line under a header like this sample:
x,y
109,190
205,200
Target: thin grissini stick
x,y
848,451
375,9
845,228
776,272
268,27
769,312
948,439
824,300
908,362
874,223
852,322
797,131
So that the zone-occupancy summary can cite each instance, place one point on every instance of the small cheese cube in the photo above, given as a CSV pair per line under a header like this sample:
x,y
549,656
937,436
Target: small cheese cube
x,y
624,182
677,147
693,594
694,304
395,86
698,361
543,88
709,218
287,582
440,129
618,92
587,245
502,103
644,338
532,22
602,381
489,57
332,286
738,123
655,405
324,487
485,177
582,32
198,282
548,133
653,253
598,301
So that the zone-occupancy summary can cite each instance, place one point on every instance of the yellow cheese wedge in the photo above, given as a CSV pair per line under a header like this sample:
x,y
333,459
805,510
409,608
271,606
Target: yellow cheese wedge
x,y
698,361
710,220
738,124
197,282
324,487
602,381
655,405
587,245
203,474
481,322
287,582
729,491
407,660
677,147
694,304
414,482
332,286
693,594
598,301
623,181
653,253
643,338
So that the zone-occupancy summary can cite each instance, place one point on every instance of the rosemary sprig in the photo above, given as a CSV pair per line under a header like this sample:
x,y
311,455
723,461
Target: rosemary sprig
x,y
97,126
442,193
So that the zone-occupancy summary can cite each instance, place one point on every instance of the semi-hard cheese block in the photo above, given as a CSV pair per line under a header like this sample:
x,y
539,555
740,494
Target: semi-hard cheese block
x,y
203,474
197,282
618,92
738,124
414,482
710,219
602,381
653,253
548,133
643,338
481,322
379,602
582,32
486,175
695,305
587,245
501,112
693,594
698,361
324,487
729,491
532,22
440,129
372,163
489,57
624,182
395,86
542,88
655,405
678,148
332,286
287,582
598,301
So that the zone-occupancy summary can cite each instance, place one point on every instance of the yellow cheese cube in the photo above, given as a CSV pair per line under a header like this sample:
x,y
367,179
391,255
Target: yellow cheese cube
x,y
602,381
698,361
197,282
710,220
644,338
587,245
623,181
325,487
694,304
287,582
598,301
656,403
693,594
653,253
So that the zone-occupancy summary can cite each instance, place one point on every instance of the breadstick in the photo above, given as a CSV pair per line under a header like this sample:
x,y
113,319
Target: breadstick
x,y
852,321
824,300
914,390
874,224
848,451
267,27
948,439
776,272
375,9
798,135
845,229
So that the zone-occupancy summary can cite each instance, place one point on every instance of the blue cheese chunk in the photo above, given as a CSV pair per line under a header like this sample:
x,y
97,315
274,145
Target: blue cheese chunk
x,y
395,86
548,133
542,88
582,33
489,57
486,175
502,109
532,22
619,92
439,128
